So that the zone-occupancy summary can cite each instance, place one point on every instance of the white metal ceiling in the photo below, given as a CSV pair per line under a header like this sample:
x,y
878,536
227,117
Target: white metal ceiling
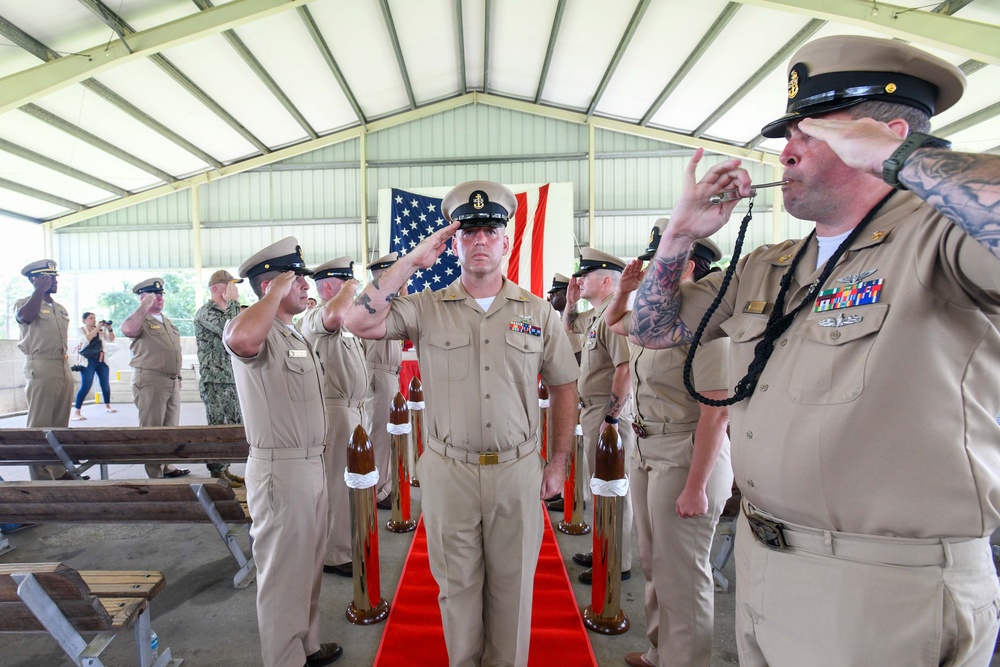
x,y
222,86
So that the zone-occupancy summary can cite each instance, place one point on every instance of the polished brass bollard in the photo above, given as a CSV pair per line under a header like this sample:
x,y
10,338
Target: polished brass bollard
x,y
543,419
605,614
367,607
399,457
416,406
573,522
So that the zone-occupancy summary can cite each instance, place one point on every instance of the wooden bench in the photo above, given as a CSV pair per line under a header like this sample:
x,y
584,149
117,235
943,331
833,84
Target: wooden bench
x,y
79,449
55,598
136,501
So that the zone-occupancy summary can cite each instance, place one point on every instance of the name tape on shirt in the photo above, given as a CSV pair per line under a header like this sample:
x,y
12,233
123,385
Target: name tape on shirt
x,y
859,294
298,354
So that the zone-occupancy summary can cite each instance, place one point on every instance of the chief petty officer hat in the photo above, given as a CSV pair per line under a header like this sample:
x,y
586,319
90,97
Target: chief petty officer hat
x,y
149,286
594,260
223,277
342,267
283,255
705,248
838,72
559,281
479,204
383,262
41,267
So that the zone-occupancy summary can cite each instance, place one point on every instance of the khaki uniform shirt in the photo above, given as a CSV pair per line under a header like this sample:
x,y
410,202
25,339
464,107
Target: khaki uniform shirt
x,y
48,334
157,347
602,351
480,371
345,371
383,355
281,392
875,413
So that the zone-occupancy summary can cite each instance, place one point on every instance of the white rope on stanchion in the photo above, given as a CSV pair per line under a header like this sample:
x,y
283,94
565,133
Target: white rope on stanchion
x,y
415,405
609,488
397,429
543,403
358,481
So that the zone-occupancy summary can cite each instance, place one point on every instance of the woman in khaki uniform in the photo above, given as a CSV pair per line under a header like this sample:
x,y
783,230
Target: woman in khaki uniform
x,y
681,477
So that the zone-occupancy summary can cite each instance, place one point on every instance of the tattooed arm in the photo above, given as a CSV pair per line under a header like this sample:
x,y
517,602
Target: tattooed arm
x,y
621,389
366,318
656,322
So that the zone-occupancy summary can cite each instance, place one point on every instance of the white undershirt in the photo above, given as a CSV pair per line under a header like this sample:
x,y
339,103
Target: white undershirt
x,y
828,245
295,332
158,317
485,303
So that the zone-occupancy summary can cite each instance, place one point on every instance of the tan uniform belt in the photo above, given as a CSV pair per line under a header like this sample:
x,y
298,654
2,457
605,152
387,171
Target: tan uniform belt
x,y
276,453
344,402
41,357
482,458
173,376
907,552
387,368
645,429
595,400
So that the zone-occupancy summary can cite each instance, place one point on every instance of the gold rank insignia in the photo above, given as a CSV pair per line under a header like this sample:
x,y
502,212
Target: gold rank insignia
x,y
793,85
477,201
784,258
755,307
877,235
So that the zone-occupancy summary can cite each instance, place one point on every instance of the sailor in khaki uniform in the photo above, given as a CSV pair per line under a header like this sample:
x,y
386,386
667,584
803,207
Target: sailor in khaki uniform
x,y
866,446
681,476
280,384
605,387
345,383
384,359
44,328
156,364
481,341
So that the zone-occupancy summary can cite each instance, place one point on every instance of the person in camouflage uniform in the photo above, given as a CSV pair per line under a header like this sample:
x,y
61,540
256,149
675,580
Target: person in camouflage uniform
x,y
215,369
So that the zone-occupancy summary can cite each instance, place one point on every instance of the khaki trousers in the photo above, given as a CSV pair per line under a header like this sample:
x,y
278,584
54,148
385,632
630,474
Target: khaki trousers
x,y
49,390
385,386
675,553
484,531
342,420
592,422
798,608
158,399
287,500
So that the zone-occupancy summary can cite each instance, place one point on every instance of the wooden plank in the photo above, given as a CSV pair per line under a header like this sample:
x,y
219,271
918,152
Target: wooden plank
x,y
146,435
137,511
60,581
111,491
85,615
124,611
124,583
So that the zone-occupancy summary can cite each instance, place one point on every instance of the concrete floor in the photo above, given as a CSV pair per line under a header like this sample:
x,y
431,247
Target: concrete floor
x,y
204,620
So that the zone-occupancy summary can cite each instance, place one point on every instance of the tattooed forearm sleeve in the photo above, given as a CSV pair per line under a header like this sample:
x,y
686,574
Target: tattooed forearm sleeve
x,y
965,187
655,317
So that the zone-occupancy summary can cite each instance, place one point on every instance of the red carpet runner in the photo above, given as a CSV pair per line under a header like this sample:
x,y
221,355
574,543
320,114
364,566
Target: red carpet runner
x,y
413,634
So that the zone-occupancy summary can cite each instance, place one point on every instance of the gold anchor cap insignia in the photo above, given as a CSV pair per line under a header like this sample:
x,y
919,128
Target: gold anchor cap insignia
x,y
477,201
793,85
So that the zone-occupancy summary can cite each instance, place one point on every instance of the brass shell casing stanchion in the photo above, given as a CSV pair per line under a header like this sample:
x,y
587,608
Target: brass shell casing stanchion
x,y
543,419
605,614
573,522
367,607
399,457
416,406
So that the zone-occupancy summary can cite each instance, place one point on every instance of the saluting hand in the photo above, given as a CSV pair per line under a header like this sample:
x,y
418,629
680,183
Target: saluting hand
x,y
231,293
281,285
573,292
863,144
631,277
350,286
428,250
146,300
42,283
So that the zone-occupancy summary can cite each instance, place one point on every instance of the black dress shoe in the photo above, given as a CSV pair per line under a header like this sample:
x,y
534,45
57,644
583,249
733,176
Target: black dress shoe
x,y
384,504
584,559
555,505
344,570
177,472
326,654
587,576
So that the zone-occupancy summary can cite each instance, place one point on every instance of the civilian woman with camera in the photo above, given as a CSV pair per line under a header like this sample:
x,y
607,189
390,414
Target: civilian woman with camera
x,y
93,337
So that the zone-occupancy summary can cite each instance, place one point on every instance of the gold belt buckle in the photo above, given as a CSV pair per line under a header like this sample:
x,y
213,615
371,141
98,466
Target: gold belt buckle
x,y
489,458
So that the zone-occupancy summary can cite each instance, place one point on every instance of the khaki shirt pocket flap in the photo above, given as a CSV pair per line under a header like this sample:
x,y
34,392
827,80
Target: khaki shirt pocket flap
x,y
524,342
844,326
742,327
449,340
298,365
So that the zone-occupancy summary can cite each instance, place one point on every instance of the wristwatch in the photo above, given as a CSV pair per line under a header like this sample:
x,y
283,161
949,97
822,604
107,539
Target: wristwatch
x,y
892,166
608,419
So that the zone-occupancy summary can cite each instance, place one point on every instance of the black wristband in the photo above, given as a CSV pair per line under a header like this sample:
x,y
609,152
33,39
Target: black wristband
x,y
892,166
608,419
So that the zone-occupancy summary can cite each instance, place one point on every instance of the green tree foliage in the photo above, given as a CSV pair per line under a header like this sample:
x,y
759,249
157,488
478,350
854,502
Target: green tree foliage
x,y
178,302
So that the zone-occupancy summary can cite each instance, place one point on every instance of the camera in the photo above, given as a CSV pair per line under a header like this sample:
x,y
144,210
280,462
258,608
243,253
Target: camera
x,y
106,323
77,368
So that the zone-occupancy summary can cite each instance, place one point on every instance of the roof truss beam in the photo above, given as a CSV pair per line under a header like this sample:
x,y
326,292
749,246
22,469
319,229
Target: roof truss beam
x,y
979,41
27,86
251,60
331,62
19,216
486,47
397,49
990,112
463,84
65,170
38,194
553,36
626,39
703,45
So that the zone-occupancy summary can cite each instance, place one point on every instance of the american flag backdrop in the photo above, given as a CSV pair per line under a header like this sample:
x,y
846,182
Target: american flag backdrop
x,y
414,217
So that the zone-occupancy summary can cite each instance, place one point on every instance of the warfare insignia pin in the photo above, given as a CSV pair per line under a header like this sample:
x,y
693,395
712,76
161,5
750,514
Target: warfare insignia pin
x,y
856,277
840,321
